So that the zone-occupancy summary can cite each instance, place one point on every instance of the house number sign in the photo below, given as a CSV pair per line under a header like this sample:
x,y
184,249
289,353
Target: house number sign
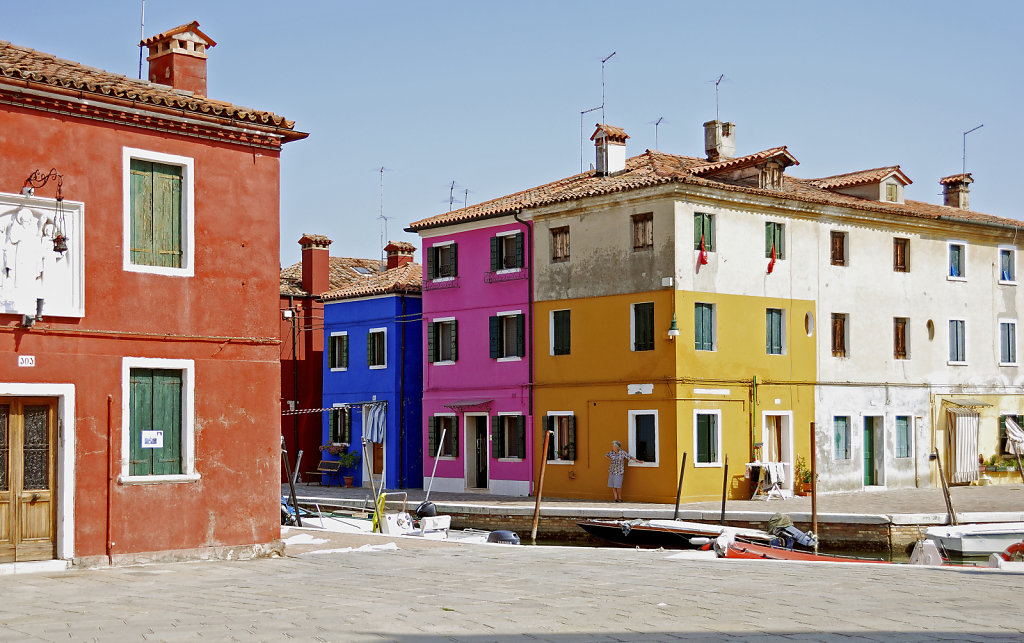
x,y
27,360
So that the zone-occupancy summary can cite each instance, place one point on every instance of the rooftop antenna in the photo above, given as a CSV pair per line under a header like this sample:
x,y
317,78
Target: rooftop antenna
x,y
465,198
656,124
142,36
963,168
717,83
603,61
383,219
586,111
451,196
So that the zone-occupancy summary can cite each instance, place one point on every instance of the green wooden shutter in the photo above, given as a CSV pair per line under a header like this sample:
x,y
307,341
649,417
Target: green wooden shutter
x,y
346,430
167,418
454,260
141,409
344,351
432,345
432,436
521,437
521,335
431,259
142,213
497,444
455,339
494,324
167,215
571,439
520,251
769,238
495,254
332,352
713,437
548,424
369,349
455,438
698,231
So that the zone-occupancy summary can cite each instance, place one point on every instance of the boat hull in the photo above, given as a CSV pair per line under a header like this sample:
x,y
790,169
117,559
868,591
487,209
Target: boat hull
x,y
668,534
977,539
754,551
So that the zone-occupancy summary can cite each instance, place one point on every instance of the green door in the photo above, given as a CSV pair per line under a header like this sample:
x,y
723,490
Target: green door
x,y
869,451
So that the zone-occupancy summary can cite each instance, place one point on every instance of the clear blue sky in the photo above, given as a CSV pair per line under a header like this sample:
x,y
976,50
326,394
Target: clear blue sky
x,y
488,94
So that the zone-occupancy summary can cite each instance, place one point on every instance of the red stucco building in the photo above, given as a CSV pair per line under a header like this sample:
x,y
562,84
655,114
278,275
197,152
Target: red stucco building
x,y
139,367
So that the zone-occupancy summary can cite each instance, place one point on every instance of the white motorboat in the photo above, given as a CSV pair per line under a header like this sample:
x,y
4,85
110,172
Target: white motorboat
x,y
978,539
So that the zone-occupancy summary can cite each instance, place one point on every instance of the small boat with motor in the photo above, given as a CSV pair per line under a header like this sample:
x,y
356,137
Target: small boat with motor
x,y
757,551
978,539
670,534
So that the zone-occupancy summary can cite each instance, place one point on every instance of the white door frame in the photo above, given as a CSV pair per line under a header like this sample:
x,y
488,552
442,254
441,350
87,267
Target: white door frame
x,y
470,464
65,444
878,443
786,446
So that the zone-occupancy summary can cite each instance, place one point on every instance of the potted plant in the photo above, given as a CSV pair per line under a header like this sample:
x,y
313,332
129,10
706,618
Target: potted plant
x,y
802,477
349,462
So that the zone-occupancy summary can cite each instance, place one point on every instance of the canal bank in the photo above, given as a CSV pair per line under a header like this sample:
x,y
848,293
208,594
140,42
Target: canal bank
x,y
870,520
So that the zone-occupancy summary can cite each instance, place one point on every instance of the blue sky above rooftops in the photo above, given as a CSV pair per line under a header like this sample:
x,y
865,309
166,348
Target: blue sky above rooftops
x,y
489,94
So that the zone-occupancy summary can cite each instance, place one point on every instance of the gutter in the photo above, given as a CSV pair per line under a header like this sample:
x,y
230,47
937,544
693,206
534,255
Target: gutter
x,y
529,278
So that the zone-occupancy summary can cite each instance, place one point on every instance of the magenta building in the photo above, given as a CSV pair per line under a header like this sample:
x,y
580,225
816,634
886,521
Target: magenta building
x,y
477,420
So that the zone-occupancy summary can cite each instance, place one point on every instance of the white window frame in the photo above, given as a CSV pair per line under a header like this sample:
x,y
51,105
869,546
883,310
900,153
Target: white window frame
x,y
384,330
782,331
441,244
557,460
896,438
509,233
338,334
632,327
188,419
336,405
439,320
951,362
509,313
963,260
455,422
632,437
188,214
849,437
718,437
500,415
551,331
1013,262
999,324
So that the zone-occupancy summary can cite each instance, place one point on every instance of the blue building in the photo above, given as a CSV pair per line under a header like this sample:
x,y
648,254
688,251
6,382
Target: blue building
x,y
373,354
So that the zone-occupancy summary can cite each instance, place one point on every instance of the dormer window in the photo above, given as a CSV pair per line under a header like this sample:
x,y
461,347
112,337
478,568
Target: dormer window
x,y
891,192
769,176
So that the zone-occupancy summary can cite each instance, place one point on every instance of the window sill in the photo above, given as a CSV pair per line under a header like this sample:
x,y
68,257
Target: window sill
x,y
708,465
1008,364
952,278
509,459
447,362
643,465
508,271
172,479
952,363
559,354
378,367
561,462
706,350
559,259
1003,282
514,358
159,270
339,370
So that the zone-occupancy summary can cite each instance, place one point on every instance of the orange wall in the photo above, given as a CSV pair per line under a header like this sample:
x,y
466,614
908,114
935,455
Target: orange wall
x,y
233,293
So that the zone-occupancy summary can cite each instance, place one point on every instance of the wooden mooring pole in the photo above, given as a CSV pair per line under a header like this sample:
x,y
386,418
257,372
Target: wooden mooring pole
x,y
945,488
540,486
814,485
679,489
725,486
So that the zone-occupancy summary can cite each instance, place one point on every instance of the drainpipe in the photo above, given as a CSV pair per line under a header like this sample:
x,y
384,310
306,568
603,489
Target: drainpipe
x,y
295,374
529,318
401,403
110,476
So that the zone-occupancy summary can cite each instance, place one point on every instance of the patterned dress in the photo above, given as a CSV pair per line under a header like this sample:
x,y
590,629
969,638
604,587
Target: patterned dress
x,y
617,467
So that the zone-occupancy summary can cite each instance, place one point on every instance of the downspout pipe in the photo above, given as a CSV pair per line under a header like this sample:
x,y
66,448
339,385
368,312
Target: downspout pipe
x,y
528,259
401,402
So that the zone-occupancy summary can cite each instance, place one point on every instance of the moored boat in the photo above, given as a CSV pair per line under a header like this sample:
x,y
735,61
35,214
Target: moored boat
x,y
756,551
978,539
670,534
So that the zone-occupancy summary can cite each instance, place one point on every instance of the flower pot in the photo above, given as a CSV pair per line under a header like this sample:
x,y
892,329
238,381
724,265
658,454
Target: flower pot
x,y
348,481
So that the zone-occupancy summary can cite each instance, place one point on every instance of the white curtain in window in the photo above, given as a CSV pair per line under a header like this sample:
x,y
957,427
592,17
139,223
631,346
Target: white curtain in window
x,y
1015,436
962,434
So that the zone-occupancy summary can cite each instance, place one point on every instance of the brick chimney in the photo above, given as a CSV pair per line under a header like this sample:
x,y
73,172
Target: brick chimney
x,y
178,58
719,140
955,190
610,142
316,263
399,253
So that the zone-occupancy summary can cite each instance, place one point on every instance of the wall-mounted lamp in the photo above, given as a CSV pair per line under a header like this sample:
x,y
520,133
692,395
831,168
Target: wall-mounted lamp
x,y
673,330
28,321
287,314
60,231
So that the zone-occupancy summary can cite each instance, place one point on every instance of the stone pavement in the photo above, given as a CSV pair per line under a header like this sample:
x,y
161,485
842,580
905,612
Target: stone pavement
x,y
968,500
476,593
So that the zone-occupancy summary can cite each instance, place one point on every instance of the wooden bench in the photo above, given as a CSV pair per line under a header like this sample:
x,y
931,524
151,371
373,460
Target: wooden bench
x,y
326,469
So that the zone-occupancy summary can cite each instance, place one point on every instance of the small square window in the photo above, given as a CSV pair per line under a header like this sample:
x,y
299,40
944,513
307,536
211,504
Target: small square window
x,y
643,436
892,192
957,352
841,429
839,336
774,331
643,231
508,437
1007,343
158,213
704,327
775,240
704,231
643,327
442,341
341,425
561,332
838,242
376,348
507,252
562,445
707,438
443,436
443,261
337,351
508,336
560,244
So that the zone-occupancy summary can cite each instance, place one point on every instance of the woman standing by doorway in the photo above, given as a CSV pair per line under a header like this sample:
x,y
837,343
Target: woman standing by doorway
x,y
617,468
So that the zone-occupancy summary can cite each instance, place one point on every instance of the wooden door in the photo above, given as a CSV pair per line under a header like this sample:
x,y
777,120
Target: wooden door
x,y
869,451
27,479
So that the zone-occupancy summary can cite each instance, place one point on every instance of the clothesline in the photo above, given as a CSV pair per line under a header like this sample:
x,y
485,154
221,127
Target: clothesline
x,y
347,405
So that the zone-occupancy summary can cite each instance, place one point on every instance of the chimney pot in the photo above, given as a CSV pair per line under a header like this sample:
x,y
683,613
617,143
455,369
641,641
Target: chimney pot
x,y
399,253
316,262
719,140
610,144
955,190
178,58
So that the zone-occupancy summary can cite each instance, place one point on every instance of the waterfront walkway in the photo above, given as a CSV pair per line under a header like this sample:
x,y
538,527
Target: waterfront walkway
x,y
416,592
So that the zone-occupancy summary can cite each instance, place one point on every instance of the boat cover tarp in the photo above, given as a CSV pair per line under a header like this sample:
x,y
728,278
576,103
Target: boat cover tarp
x,y
962,435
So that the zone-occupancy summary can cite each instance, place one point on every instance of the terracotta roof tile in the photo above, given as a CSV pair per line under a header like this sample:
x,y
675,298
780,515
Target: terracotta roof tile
x,y
861,177
406,279
192,26
342,271
400,246
612,133
656,168
24,64
739,162
956,178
